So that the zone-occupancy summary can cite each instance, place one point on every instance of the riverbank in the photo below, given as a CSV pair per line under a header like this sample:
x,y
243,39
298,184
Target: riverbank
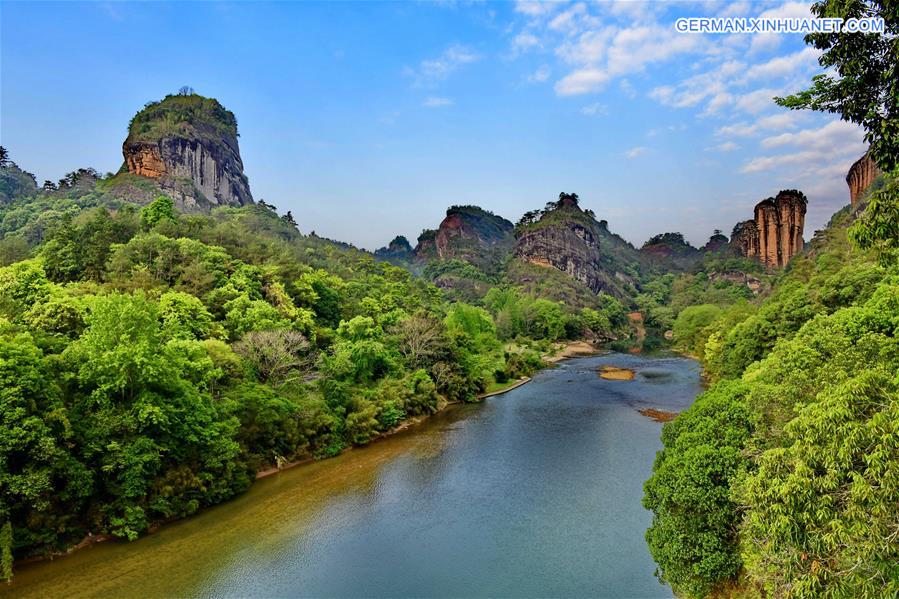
x,y
564,351
462,480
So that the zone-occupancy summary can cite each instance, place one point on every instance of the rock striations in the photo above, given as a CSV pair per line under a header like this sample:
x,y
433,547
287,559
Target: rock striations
x,y
774,236
187,145
571,240
861,175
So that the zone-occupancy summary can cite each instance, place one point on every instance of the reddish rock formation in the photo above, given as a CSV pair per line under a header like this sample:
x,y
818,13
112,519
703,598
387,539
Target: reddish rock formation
x,y
146,161
467,233
860,176
187,145
775,235
745,239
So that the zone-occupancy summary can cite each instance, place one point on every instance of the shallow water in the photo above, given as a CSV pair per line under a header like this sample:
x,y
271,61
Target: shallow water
x,y
532,493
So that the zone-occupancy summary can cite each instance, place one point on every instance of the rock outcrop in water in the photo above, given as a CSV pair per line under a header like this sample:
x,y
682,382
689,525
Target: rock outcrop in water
x,y
187,146
774,236
861,175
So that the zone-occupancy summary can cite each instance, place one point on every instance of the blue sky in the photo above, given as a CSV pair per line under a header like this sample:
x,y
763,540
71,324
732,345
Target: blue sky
x,y
367,120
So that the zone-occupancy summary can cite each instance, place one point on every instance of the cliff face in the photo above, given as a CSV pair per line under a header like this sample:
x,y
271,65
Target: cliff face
x,y
188,146
570,240
774,236
467,233
860,176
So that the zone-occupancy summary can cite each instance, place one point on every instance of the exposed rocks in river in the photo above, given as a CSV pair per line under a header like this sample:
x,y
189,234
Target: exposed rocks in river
x,y
774,236
187,146
860,176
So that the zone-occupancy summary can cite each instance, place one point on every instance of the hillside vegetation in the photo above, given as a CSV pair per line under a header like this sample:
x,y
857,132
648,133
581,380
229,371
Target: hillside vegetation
x,y
152,362
782,480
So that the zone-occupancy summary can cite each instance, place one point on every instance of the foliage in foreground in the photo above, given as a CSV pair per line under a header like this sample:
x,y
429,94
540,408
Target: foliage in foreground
x,y
151,363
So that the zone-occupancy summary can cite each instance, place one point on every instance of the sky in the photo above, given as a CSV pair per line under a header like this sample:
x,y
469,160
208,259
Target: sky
x,y
368,119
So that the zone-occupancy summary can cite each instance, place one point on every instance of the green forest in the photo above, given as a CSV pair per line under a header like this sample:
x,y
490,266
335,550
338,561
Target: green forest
x,y
154,361
782,479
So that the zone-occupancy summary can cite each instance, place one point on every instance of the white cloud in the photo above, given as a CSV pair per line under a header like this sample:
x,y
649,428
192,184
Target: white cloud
x,y
835,134
727,146
736,130
718,101
595,109
789,119
581,82
758,100
766,42
635,152
433,70
436,102
524,41
782,66
540,75
534,9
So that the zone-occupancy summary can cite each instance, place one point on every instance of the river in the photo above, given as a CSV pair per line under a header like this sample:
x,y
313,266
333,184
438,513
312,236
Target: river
x,y
532,493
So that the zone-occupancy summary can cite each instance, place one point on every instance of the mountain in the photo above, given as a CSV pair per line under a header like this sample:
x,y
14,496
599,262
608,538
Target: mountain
x,y
568,239
670,249
471,234
860,177
14,182
398,251
184,146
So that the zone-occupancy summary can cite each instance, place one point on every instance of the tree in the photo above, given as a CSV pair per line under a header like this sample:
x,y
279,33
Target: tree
x,y
159,210
419,338
693,537
878,225
288,218
277,357
4,157
864,85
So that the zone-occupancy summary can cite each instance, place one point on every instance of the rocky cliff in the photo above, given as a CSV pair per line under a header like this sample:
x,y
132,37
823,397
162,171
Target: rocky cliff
x,y
775,234
187,146
467,233
861,175
568,239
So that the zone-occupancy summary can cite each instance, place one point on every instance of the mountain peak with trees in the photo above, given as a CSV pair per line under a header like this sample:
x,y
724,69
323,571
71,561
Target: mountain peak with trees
x,y
185,146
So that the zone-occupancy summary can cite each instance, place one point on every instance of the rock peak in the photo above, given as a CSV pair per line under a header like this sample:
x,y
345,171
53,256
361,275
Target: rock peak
x,y
188,145
774,236
860,176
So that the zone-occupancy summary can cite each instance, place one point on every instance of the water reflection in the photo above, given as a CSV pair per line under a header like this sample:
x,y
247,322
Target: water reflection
x,y
533,493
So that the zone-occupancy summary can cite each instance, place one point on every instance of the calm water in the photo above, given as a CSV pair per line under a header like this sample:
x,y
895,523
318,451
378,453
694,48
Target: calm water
x,y
532,493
